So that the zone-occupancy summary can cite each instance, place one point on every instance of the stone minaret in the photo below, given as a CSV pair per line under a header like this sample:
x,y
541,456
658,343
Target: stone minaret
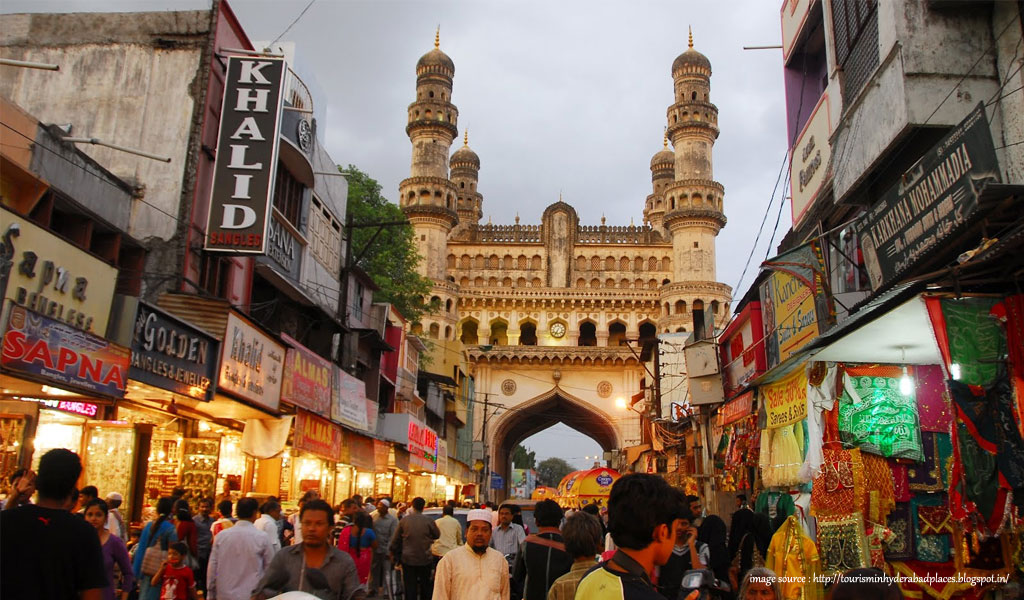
x,y
427,197
465,175
662,174
693,201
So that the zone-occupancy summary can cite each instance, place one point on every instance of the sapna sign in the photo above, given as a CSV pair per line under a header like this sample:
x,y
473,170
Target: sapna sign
x,y
247,147
56,352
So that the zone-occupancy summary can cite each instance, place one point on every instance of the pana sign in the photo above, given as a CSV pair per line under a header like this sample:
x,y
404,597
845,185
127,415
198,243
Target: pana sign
x,y
54,278
251,364
172,355
247,146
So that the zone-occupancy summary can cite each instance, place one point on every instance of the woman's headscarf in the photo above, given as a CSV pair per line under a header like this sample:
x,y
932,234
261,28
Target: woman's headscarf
x,y
713,533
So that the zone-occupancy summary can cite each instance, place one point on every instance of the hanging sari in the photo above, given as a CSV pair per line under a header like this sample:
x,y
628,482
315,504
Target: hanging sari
x,y
793,555
879,493
834,490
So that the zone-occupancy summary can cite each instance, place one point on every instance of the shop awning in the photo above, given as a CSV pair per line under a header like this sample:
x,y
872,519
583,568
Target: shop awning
x,y
892,329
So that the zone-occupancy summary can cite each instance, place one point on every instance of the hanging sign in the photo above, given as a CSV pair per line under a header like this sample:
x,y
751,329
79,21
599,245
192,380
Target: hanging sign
x,y
786,400
348,405
250,364
172,355
307,379
736,409
57,352
930,200
247,147
316,435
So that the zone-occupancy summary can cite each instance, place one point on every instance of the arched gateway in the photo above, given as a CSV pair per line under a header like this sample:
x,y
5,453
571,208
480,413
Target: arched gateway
x,y
545,309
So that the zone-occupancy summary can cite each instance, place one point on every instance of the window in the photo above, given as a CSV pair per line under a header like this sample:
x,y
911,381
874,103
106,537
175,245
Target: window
x,y
288,193
357,302
213,274
855,25
325,236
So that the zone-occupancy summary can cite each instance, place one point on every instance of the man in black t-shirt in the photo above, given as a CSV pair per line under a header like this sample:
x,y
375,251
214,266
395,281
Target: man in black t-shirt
x,y
543,558
48,553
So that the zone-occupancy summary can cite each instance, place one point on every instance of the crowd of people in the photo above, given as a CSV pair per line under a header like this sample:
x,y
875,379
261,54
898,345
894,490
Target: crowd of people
x,y
653,543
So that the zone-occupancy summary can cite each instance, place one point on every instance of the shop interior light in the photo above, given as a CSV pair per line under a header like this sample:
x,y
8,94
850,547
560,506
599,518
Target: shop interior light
x,y
954,371
620,403
906,381
204,426
56,391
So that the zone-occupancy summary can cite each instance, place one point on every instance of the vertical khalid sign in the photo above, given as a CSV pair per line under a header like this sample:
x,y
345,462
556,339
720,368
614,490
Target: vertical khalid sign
x,y
243,177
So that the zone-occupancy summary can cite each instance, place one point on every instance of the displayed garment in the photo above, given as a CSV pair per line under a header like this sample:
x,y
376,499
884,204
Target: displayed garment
x,y
879,492
900,481
878,537
1010,315
723,449
973,487
876,416
978,556
973,337
932,532
931,474
793,555
988,413
930,580
782,455
902,526
834,490
933,403
821,397
777,506
843,543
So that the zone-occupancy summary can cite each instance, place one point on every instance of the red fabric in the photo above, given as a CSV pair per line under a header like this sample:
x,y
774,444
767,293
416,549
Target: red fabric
x,y
934,306
1010,312
187,532
361,556
900,481
176,583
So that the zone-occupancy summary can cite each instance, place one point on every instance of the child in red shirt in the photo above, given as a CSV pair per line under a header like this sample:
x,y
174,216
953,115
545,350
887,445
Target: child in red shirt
x,y
178,582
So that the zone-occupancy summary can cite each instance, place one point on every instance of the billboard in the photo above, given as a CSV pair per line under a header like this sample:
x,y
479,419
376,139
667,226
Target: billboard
x,y
172,355
251,364
247,146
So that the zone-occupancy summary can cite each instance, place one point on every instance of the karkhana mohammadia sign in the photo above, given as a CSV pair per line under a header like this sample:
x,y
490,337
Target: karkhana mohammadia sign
x,y
56,352
172,355
247,146
931,199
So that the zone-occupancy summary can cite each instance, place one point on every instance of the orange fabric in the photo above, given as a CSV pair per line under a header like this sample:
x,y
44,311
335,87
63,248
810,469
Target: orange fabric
x,y
880,493
838,487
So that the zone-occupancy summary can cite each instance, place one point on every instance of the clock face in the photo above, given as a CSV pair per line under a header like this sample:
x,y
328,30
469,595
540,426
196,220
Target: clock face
x,y
558,330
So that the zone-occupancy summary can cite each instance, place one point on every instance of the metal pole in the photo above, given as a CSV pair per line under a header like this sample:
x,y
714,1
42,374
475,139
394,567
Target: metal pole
x,y
657,378
486,485
99,142
10,62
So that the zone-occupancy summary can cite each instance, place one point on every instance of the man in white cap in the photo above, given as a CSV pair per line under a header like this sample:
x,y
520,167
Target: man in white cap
x,y
474,571
115,522
384,526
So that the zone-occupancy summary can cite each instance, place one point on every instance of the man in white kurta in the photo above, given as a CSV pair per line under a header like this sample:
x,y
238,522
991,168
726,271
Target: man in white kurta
x,y
473,571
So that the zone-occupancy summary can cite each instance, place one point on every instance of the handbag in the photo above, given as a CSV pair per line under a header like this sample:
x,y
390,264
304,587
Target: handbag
x,y
756,560
155,555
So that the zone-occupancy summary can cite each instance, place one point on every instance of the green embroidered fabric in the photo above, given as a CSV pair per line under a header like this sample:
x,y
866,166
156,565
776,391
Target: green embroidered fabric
x,y
884,422
975,338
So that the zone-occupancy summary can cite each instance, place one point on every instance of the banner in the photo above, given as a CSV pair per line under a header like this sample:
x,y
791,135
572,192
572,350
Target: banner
x,y
785,401
361,451
316,435
307,379
247,148
250,364
930,200
348,403
57,352
736,409
172,355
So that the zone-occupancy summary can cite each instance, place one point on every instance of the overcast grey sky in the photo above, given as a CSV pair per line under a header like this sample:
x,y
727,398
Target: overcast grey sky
x,y
559,96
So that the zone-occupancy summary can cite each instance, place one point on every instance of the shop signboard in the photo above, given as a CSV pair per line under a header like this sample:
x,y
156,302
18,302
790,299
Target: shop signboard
x,y
742,349
788,314
421,440
316,435
251,364
56,352
794,14
442,457
82,409
736,409
307,379
932,198
284,248
360,451
247,148
52,277
170,354
785,401
497,481
381,450
809,160
349,402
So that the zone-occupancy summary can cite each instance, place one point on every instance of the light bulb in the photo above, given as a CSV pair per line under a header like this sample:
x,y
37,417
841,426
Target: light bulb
x,y
906,383
954,370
